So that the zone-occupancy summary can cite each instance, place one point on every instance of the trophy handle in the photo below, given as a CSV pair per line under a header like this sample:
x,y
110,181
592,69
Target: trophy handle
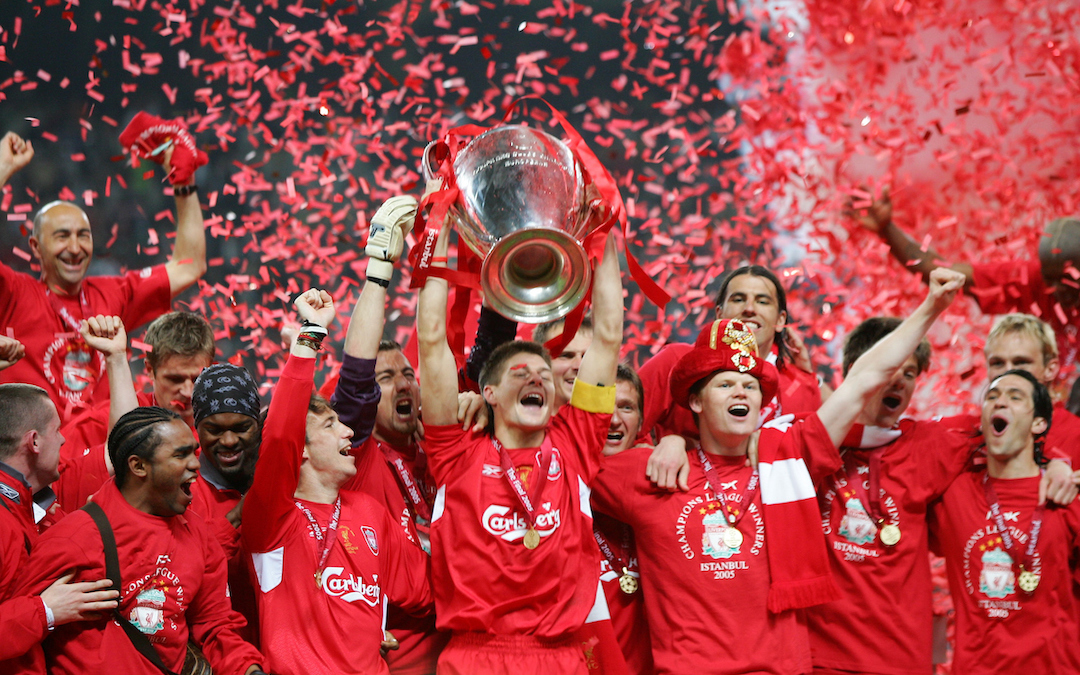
x,y
425,160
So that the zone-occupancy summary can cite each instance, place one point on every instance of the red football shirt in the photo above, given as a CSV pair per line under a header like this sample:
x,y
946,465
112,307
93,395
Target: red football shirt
x,y
91,427
1004,287
419,642
627,609
22,618
798,393
886,589
705,602
484,578
174,586
336,628
57,359
999,627
1063,439
80,477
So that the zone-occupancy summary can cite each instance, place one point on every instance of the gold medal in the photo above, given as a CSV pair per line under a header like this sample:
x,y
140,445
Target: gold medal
x,y
889,534
318,579
532,539
732,538
628,583
1029,581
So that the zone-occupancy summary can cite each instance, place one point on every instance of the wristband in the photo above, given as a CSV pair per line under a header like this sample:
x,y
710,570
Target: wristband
x,y
385,283
184,190
305,324
50,619
382,270
307,341
314,331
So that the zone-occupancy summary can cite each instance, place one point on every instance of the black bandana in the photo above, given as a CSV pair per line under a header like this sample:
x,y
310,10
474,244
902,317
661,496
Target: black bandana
x,y
225,388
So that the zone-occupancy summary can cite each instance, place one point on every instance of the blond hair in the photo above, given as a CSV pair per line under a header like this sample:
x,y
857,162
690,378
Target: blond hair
x,y
1031,326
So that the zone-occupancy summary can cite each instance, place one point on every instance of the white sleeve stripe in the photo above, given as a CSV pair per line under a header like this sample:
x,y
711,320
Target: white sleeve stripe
x,y
440,504
784,481
584,496
268,568
599,611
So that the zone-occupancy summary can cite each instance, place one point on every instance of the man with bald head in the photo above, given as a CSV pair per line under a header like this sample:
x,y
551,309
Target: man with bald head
x,y
44,314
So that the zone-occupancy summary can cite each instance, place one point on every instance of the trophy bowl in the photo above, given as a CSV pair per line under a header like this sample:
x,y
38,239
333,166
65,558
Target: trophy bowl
x,y
521,209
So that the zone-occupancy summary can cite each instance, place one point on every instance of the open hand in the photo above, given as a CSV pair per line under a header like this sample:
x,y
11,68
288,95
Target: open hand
x,y
874,217
80,600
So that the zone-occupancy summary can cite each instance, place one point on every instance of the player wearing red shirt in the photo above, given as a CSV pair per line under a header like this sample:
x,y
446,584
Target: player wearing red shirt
x,y
226,405
754,295
378,384
891,471
172,572
726,564
1008,557
29,449
1022,341
181,345
513,556
620,572
326,559
45,313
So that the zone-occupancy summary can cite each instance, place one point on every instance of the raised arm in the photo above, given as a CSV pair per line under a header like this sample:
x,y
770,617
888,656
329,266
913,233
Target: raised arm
x,y
356,396
439,395
877,218
277,473
601,359
389,227
15,153
188,261
878,364
106,334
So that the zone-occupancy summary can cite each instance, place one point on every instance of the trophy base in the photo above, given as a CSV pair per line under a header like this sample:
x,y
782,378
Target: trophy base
x,y
535,275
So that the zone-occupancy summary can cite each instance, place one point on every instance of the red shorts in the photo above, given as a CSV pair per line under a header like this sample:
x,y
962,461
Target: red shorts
x,y
483,654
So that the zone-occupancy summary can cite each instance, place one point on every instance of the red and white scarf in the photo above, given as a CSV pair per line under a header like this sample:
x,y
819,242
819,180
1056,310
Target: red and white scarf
x,y
798,560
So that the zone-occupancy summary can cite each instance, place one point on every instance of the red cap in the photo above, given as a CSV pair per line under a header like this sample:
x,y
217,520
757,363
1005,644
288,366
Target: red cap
x,y
725,345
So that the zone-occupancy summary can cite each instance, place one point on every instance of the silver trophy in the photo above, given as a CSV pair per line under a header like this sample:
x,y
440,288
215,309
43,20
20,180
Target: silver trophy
x,y
521,208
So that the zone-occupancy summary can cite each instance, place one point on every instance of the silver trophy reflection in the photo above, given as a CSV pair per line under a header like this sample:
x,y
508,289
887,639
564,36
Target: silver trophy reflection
x,y
521,208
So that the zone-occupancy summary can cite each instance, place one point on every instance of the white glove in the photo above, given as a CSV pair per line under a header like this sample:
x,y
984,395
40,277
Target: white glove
x,y
386,238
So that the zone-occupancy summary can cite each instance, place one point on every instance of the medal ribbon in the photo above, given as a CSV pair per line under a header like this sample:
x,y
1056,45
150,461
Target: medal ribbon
x,y
408,483
617,562
872,503
748,495
1006,537
326,542
528,501
73,322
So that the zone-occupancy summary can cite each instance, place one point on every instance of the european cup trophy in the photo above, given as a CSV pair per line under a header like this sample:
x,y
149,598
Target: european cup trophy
x,y
522,209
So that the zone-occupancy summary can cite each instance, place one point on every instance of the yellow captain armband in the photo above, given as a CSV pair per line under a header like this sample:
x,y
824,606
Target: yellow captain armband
x,y
593,399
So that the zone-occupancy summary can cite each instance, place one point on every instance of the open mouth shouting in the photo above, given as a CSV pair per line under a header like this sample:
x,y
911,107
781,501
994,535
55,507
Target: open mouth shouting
x,y
403,407
186,486
533,400
891,402
998,425
739,410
